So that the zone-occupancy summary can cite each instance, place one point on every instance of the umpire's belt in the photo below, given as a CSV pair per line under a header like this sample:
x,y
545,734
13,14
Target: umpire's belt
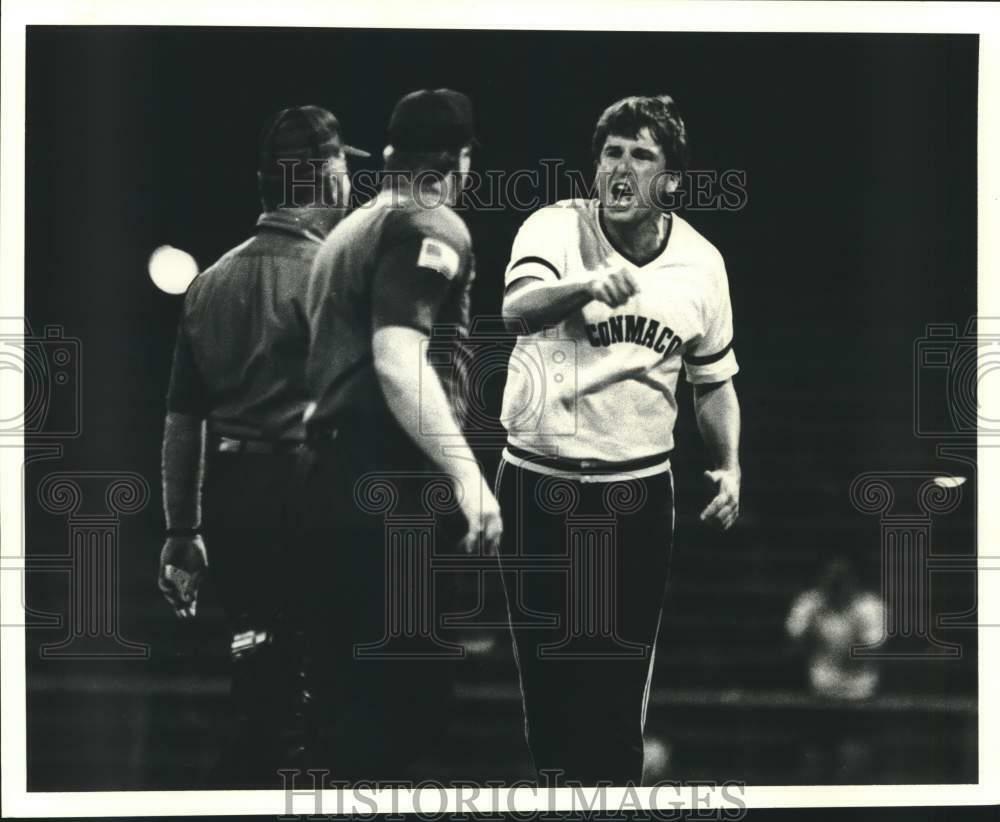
x,y
232,445
576,466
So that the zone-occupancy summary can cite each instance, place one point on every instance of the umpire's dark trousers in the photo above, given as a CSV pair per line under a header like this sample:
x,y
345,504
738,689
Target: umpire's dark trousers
x,y
585,568
246,522
363,535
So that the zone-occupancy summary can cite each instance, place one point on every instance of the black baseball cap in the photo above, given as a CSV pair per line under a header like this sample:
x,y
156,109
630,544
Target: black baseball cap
x,y
432,120
302,133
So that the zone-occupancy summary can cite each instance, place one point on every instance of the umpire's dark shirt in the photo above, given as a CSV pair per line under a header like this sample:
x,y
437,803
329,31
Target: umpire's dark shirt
x,y
399,260
241,345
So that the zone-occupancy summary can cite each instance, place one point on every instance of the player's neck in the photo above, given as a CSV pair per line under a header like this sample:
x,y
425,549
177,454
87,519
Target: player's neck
x,y
641,241
317,218
431,189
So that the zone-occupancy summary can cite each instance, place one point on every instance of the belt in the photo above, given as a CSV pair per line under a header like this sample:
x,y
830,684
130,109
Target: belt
x,y
588,466
231,445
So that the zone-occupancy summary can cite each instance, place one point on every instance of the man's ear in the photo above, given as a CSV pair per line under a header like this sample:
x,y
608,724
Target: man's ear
x,y
672,181
260,190
666,190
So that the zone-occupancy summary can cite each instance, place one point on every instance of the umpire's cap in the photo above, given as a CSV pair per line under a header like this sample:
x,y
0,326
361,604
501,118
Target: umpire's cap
x,y
301,133
432,120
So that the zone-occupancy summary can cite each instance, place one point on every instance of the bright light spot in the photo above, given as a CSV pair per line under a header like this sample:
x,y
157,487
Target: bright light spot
x,y
949,482
171,269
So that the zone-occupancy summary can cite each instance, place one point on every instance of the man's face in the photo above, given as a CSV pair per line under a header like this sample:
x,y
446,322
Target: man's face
x,y
630,171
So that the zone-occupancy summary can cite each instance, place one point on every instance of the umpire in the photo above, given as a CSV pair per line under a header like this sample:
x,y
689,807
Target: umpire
x,y
234,418
386,280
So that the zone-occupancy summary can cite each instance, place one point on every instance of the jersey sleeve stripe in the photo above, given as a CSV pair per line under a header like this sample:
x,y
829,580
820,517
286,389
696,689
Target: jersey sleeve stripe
x,y
708,359
540,261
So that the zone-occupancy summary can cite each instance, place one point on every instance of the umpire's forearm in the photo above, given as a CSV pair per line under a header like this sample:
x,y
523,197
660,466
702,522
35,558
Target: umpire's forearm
x,y
410,385
182,469
717,411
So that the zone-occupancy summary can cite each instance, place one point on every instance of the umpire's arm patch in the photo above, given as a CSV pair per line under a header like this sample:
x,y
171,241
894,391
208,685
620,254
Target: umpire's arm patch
x,y
438,256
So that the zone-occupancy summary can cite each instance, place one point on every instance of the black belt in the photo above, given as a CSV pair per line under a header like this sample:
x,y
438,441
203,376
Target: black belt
x,y
588,466
233,445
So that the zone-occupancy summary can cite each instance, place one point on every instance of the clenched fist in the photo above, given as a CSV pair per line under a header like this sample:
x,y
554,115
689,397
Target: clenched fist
x,y
614,289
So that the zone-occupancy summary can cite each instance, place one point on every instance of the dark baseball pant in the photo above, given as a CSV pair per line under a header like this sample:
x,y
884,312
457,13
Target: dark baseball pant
x,y
375,716
246,526
585,567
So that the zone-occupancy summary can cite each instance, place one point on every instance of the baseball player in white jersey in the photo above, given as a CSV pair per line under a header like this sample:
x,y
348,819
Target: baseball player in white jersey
x,y
613,296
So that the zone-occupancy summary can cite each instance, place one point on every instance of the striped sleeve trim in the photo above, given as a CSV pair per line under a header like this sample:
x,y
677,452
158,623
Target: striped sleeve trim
x,y
538,261
708,359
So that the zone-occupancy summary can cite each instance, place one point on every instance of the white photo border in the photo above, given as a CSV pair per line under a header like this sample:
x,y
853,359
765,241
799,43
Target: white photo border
x,y
588,15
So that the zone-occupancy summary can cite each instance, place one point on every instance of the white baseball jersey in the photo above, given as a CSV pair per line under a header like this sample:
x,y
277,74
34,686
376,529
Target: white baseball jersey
x,y
602,384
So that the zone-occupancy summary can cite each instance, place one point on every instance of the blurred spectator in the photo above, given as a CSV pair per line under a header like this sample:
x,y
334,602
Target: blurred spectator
x,y
830,620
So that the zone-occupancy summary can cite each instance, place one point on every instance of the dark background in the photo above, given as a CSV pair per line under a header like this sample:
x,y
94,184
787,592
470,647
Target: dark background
x,y
859,230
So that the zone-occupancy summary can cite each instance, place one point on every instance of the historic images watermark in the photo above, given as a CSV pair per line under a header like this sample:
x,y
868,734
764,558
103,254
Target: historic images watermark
x,y
955,382
93,502
519,190
472,365
312,794
417,556
418,559
49,367
907,560
416,562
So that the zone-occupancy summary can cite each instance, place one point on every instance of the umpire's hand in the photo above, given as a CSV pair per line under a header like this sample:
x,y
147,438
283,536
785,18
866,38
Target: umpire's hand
x,y
482,512
183,561
724,509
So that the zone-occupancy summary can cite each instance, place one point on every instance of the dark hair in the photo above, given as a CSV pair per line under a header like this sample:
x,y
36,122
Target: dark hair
x,y
297,184
659,114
